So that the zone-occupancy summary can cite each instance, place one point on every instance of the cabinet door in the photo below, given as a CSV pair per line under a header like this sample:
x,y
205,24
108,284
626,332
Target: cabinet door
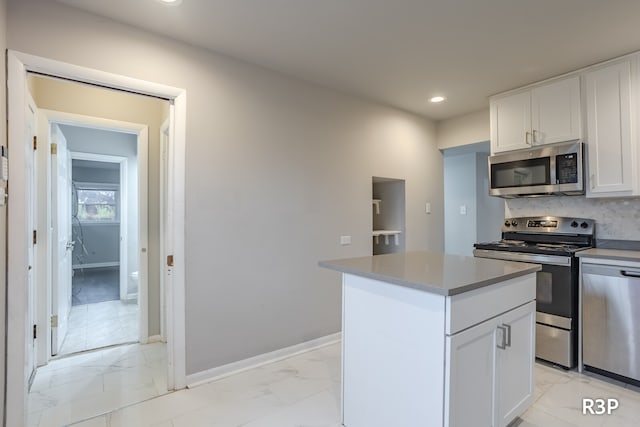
x,y
511,122
514,372
469,379
555,112
609,131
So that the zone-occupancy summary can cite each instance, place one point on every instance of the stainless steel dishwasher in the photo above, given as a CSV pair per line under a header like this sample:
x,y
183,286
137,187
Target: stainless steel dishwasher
x,y
611,319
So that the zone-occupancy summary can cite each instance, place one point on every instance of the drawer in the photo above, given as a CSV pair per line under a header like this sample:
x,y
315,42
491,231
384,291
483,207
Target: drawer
x,y
474,307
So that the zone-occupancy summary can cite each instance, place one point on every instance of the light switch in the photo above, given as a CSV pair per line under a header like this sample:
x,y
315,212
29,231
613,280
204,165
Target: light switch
x,y
345,240
427,207
463,209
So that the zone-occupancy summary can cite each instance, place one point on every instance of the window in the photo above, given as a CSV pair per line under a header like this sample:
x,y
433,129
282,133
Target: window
x,y
97,202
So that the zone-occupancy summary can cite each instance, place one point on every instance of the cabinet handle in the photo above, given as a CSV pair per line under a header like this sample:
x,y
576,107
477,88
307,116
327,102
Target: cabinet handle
x,y
526,137
503,346
535,138
508,334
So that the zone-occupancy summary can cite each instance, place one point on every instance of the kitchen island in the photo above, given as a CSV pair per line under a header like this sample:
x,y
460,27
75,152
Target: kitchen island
x,y
430,339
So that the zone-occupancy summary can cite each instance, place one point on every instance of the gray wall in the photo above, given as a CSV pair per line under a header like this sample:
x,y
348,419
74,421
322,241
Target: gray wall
x,y
96,242
466,184
3,209
276,170
95,141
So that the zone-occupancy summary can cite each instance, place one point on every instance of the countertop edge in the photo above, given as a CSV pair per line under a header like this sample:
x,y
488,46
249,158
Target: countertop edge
x,y
613,254
425,287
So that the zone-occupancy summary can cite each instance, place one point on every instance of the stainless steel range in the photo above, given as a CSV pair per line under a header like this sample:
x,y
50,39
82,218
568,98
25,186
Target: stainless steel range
x,y
551,242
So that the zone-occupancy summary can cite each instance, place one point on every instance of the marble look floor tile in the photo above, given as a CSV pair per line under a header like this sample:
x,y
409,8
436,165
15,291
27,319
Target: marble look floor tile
x,y
88,384
318,410
93,422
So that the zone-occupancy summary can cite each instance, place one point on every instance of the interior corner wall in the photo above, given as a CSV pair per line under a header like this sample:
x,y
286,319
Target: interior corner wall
x,y
460,204
276,171
490,208
3,209
466,129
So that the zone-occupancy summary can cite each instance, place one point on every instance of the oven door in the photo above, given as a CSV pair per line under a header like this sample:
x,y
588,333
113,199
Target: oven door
x,y
555,293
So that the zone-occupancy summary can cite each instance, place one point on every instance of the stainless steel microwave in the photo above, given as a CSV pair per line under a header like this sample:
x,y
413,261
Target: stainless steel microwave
x,y
547,170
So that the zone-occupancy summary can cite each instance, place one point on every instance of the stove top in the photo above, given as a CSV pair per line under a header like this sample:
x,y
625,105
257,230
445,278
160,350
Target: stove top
x,y
544,235
531,247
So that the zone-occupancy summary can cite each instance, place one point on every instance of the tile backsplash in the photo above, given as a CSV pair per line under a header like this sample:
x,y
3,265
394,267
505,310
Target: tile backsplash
x,y
615,218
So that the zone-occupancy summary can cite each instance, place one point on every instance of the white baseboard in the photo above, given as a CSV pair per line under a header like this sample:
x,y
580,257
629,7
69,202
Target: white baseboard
x,y
213,374
151,339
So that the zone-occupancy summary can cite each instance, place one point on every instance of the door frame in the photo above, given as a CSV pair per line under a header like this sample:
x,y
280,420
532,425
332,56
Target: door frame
x,y
123,258
18,64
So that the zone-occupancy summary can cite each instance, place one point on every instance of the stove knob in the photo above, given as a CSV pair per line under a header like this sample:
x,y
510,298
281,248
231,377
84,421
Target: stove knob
x,y
574,224
514,223
584,225
507,224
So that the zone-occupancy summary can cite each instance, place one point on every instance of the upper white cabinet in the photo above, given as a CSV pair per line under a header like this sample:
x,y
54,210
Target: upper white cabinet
x,y
611,138
543,114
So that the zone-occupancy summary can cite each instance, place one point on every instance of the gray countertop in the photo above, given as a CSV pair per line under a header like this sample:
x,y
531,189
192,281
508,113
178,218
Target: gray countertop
x,y
615,254
432,271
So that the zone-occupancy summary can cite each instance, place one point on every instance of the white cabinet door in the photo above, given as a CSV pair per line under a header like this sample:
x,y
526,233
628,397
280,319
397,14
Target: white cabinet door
x,y
489,380
511,122
514,372
555,112
610,137
469,379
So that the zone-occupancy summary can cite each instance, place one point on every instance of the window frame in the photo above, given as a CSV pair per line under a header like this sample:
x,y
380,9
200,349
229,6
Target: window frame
x,y
98,186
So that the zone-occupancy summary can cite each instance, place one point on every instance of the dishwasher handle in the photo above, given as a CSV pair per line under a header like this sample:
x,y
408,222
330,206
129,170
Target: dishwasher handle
x,y
610,270
627,273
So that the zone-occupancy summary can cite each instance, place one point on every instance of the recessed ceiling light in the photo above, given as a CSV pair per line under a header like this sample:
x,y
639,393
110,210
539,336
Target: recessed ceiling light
x,y
170,2
437,99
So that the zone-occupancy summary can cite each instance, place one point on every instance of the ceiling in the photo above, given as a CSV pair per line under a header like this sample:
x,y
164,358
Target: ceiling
x,y
399,52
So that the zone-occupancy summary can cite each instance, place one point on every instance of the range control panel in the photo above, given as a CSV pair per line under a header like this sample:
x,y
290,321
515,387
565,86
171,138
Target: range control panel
x,y
549,224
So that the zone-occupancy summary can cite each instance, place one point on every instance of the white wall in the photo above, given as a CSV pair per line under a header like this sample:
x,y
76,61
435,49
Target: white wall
x,y
467,129
490,209
3,209
277,170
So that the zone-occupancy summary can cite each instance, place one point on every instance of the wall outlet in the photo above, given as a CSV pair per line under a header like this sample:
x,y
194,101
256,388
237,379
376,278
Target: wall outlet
x,y
463,209
345,240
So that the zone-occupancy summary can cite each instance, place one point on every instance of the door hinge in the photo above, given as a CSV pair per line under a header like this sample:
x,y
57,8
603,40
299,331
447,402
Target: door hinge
x,y
54,321
54,148
35,237
35,331
170,260
35,142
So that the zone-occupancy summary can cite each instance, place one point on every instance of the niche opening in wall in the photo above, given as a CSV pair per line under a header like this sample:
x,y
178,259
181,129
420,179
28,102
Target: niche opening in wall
x,y
388,210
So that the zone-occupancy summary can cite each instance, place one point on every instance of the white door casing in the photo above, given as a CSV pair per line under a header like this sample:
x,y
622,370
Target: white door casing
x,y
62,240
19,234
32,206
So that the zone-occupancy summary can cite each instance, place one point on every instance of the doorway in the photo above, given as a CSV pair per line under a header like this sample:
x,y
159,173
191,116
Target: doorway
x,y
104,223
19,330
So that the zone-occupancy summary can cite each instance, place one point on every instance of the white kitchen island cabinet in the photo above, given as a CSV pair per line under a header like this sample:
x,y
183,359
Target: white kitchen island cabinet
x,y
436,340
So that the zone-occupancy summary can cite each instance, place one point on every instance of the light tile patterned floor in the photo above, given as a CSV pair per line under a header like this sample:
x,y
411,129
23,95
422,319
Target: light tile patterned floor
x,y
88,384
304,391
101,324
